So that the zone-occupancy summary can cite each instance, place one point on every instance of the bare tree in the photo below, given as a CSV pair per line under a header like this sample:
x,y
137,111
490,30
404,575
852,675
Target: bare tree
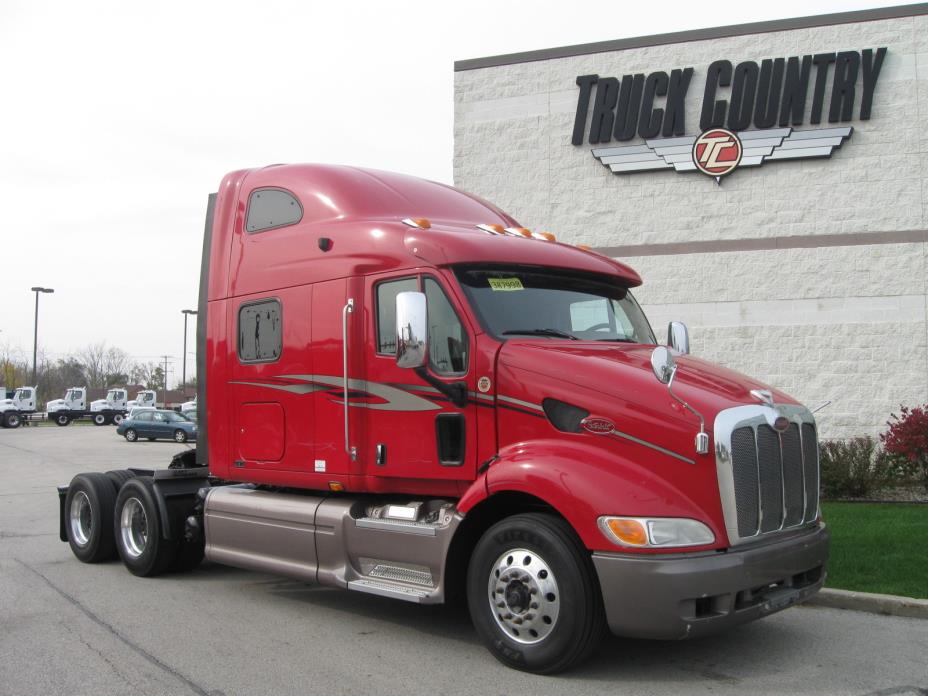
x,y
149,374
104,367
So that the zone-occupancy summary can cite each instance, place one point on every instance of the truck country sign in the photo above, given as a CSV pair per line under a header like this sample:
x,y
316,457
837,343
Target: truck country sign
x,y
756,123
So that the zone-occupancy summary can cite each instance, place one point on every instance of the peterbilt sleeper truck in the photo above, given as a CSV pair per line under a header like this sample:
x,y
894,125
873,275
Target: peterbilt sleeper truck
x,y
403,392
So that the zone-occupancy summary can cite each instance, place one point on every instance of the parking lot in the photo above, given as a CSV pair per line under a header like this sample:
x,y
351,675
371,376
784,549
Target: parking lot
x,y
70,628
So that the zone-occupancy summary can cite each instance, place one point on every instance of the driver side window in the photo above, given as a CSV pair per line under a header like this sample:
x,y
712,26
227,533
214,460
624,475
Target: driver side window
x,y
447,338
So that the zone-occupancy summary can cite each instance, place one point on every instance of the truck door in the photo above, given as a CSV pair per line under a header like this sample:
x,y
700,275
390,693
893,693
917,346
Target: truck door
x,y
413,428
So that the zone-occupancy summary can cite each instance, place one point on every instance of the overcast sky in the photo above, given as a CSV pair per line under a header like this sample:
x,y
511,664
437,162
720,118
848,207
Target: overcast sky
x,y
117,119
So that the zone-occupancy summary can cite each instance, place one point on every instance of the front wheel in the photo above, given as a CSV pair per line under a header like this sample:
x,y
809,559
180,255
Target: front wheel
x,y
533,595
180,436
62,420
131,435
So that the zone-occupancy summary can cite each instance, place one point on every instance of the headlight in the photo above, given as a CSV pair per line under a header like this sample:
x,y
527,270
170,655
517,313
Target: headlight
x,y
660,532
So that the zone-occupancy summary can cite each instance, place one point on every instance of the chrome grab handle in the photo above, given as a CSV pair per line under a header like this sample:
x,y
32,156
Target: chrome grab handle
x,y
346,310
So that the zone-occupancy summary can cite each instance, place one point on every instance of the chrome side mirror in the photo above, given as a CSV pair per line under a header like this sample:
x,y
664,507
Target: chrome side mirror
x,y
665,369
678,337
663,364
412,340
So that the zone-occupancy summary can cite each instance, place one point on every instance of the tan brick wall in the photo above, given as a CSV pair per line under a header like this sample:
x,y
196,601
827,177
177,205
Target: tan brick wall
x,y
846,323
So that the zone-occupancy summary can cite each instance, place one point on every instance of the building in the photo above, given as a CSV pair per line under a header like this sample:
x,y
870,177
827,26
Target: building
x,y
805,264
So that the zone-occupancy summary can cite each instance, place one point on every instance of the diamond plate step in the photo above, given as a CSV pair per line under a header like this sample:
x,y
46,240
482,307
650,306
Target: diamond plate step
x,y
388,589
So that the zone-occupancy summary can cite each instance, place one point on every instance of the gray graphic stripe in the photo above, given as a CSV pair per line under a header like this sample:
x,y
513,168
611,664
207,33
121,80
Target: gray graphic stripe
x,y
625,436
397,399
292,388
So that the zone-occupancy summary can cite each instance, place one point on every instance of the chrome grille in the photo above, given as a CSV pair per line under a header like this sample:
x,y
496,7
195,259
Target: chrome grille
x,y
744,457
768,481
770,470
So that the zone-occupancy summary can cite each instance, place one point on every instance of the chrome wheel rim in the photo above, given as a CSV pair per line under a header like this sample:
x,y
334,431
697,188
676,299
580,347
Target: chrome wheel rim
x,y
81,517
133,528
130,435
524,596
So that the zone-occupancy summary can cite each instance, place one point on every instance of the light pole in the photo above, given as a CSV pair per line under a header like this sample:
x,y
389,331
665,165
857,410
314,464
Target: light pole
x,y
186,313
35,335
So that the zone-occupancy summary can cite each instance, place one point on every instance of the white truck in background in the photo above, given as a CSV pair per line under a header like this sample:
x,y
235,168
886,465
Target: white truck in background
x,y
13,412
106,411
146,397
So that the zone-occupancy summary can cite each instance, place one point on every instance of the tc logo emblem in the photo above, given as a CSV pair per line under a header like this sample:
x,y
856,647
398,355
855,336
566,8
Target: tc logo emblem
x,y
717,152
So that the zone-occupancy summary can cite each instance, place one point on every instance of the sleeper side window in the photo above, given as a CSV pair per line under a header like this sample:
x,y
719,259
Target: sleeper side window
x,y
269,208
386,312
259,331
447,337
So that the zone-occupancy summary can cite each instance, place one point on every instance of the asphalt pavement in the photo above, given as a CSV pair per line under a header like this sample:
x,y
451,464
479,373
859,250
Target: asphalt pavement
x,y
71,628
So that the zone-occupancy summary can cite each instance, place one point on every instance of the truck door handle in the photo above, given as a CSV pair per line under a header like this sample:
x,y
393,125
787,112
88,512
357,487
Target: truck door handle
x,y
381,455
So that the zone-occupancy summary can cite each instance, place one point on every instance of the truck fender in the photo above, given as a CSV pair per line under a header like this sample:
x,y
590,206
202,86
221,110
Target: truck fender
x,y
582,482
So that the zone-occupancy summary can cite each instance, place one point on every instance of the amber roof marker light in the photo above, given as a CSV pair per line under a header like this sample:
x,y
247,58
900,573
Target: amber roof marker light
x,y
419,223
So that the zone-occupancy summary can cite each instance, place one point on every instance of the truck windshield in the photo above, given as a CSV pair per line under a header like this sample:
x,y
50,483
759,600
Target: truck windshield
x,y
556,303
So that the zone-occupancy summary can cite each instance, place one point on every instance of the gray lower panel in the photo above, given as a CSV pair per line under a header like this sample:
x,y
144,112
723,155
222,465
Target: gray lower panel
x,y
671,598
327,540
261,530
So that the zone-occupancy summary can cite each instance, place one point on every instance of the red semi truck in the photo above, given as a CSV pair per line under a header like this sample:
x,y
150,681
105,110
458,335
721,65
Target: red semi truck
x,y
405,393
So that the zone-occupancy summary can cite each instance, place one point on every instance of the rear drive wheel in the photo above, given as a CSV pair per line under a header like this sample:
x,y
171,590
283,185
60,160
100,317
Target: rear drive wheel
x,y
533,595
89,508
117,418
119,477
11,419
62,420
180,436
131,435
99,419
138,530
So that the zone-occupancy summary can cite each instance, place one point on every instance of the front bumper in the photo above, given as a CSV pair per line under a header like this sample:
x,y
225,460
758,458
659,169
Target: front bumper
x,y
683,596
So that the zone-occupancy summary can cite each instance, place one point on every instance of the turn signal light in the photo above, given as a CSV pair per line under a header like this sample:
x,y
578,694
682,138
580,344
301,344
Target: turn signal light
x,y
336,486
655,532
629,532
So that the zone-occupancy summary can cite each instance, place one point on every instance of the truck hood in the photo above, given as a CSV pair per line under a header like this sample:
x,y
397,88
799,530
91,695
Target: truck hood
x,y
624,371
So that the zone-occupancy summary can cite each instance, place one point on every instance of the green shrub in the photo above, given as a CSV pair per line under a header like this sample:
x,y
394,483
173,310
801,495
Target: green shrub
x,y
853,468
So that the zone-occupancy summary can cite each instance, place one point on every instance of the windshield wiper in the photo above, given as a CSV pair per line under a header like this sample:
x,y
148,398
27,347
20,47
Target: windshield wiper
x,y
541,332
617,340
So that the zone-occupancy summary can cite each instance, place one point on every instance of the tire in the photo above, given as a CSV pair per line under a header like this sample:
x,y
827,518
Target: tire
x,y
119,477
11,419
137,526
117,418
131,435
62,420
537,556
99,419
89,507
180,436
151,439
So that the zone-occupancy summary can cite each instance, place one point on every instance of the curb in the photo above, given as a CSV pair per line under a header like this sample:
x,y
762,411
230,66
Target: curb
x,y
888,605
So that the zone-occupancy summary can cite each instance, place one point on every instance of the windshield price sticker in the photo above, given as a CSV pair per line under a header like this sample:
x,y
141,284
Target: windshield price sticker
x,y
505,284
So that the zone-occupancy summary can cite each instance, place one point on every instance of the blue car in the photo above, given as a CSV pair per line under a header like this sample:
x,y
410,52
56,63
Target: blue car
x,y
156,424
